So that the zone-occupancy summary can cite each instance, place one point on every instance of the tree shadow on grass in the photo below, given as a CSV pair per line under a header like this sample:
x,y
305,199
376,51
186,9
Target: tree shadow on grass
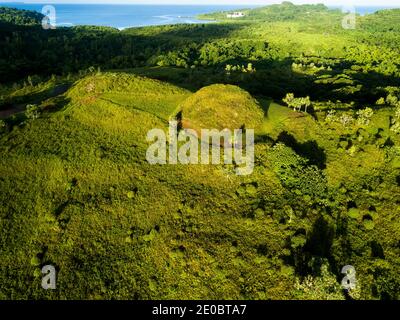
x,y
56,104
318,248
265,104
309,149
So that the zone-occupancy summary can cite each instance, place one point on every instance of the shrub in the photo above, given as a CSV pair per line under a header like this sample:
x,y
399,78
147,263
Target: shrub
x,y
131,194
32,111
298,241
381,101
392,100
295,173
346,120
369,224
364,116
331,116
354,213
322,287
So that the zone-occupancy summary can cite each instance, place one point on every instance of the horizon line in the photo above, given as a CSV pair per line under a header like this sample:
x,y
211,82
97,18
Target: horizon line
x,y
190,4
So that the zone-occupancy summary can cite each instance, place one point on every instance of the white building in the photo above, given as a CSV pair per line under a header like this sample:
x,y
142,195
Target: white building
x,y
235,15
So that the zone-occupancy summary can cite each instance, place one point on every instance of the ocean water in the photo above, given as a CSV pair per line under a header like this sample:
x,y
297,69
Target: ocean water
x,y
124,16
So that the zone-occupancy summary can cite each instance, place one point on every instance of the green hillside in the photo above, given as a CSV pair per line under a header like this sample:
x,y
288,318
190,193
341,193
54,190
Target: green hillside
x,y
286,11
76,190
79,194
221,107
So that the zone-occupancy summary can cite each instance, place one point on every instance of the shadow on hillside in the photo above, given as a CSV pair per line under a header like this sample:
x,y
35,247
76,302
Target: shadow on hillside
x,y
97,46
36,97
372,83
318,248
140,47
265,104
276,78
201,32
309,150
59,103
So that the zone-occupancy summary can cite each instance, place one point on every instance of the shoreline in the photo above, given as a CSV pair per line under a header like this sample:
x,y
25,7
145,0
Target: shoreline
x,y
169,18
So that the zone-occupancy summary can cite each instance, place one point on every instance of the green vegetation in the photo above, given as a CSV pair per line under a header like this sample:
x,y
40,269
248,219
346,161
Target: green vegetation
x,y
297,103
77,192
19,17
286,11
221,107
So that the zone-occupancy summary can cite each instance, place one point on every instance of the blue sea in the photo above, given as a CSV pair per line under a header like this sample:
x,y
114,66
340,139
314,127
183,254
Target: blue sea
x,y
124,16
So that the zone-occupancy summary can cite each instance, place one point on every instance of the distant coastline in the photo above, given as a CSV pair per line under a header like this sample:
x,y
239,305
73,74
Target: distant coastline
x,y
126,16
129,16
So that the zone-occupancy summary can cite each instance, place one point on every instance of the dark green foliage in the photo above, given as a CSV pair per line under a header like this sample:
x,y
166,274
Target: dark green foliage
x,y
296,174
19,17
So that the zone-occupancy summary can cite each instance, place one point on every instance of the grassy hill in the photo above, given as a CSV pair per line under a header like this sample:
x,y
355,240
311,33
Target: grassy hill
x,y
85,200
132,93
77,192
221,107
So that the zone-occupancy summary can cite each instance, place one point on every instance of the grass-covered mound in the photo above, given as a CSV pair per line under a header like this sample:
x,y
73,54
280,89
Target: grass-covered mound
x,y
131,92
221,107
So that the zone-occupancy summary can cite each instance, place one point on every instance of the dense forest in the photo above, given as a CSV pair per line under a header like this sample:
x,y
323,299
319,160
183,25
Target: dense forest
x,y
19,17
76,191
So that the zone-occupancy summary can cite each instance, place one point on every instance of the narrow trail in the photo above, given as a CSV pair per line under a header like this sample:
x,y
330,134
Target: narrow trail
x,y
135,108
